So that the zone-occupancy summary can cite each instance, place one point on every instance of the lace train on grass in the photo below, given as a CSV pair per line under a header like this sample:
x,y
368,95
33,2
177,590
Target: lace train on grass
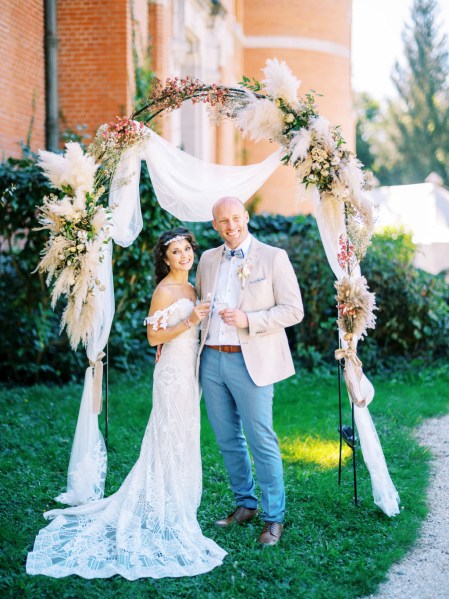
x,y
149,527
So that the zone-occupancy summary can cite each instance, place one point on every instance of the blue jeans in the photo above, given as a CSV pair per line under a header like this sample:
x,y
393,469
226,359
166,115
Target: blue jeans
x,y
235,404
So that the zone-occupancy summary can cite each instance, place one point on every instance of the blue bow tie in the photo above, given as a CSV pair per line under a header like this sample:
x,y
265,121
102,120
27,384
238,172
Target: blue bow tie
x,y
231,253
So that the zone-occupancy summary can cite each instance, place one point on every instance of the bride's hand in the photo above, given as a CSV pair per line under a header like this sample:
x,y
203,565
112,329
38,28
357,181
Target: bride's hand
x,y
199,312
158,353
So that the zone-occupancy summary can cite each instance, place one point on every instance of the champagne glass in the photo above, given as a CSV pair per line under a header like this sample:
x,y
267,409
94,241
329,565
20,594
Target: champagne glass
x,y
206,300
220,304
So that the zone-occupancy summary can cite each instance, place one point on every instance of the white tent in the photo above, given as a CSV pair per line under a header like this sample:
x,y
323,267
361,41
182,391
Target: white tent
x,y
422,210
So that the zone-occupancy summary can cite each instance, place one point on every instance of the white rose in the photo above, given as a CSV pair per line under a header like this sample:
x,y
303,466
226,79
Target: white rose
x,y
289,118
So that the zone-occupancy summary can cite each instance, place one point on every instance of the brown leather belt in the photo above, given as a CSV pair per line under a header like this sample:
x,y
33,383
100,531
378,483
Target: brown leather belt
x,y
228,349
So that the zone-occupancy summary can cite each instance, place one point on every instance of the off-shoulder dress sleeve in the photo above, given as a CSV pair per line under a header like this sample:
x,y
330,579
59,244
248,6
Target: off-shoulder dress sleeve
x,y
159,320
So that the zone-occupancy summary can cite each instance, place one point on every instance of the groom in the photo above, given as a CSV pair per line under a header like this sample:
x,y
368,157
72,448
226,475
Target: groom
x,y
243,351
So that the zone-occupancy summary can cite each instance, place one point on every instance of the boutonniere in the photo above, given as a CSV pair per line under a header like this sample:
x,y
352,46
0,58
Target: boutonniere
x,y
243,271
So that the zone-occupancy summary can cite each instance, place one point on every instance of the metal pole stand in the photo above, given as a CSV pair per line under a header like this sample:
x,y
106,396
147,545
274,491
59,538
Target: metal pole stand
x,y
106,400
348,435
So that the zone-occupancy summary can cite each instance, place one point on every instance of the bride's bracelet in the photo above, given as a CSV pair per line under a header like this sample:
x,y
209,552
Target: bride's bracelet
x,y
187,323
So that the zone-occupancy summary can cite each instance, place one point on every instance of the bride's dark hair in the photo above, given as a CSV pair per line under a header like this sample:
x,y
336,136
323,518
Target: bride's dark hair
x,y
161,269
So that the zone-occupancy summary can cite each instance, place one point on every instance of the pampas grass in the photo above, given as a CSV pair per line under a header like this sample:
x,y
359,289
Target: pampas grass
x,y
53,256
80,327
352,174
280,82
100,220
75,169
323,132
63,285
78,230
65,208
261,119
356,306
299,145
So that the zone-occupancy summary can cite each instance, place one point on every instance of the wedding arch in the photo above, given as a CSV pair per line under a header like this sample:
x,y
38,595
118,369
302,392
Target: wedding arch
x,y
78,255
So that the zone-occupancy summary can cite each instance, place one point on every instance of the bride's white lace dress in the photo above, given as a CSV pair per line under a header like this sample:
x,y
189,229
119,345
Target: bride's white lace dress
x,y
149,527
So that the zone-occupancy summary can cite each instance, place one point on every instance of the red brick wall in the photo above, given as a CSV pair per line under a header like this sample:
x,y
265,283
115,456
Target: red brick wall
x,y
94,56
159,28
22,75
326,71
141,37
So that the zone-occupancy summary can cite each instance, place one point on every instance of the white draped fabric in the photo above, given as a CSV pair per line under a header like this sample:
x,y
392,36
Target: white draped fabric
x,y
88,459
184,185
331,224
187,188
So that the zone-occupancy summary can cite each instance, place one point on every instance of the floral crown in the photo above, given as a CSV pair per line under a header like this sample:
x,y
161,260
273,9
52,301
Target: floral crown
x,y
177,238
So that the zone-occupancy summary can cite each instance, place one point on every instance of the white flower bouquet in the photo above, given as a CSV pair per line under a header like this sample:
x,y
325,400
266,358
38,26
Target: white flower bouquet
x,y
312,146
78,232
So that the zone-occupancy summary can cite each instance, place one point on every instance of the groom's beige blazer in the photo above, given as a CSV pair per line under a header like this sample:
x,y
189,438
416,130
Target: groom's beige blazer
x,y
272,301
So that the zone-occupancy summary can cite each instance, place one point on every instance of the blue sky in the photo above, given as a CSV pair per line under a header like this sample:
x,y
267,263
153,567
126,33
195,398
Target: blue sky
x,y
377,43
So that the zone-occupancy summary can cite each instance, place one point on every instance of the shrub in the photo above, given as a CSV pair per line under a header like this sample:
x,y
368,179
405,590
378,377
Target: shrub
x,y
31,347
413,305
412,319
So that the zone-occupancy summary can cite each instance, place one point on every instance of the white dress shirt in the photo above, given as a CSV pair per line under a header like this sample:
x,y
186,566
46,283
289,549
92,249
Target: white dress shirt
x,y
228,287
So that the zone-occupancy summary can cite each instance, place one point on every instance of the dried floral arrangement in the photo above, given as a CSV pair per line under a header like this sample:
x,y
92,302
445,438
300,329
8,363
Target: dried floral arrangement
x,y
312,146
79,224
78,232
226,101
355,303
270,109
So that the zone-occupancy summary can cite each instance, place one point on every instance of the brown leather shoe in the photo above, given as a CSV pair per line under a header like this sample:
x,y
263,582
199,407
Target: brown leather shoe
x,y
271,533
238,516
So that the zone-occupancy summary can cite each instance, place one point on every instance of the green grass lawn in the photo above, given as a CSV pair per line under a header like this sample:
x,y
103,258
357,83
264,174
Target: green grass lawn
x,y
330,548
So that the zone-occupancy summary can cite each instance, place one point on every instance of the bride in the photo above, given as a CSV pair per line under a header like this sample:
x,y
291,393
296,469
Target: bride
x,y
148,528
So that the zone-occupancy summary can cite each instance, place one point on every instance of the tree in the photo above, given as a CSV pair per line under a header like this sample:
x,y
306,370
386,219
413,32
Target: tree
x,y
373,147
367,110
420,117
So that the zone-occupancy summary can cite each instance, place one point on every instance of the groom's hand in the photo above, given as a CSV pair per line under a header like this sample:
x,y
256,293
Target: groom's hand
x,y
234,318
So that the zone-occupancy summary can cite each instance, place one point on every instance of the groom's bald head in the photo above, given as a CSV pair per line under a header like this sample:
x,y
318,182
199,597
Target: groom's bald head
x,y
230,220
228,201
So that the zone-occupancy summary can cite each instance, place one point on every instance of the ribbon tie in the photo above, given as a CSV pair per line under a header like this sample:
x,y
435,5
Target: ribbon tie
x,y
97,383
231,253
348,353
